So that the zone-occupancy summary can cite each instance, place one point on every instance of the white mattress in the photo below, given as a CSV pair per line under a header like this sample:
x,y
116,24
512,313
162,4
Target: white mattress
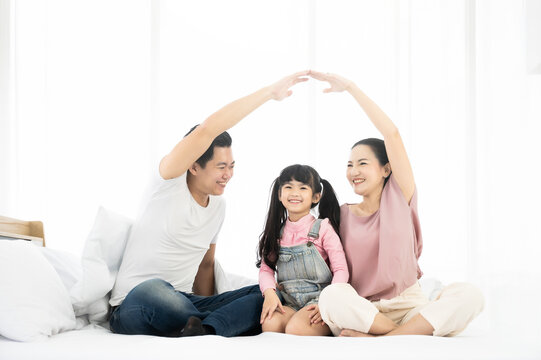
x,y
97,343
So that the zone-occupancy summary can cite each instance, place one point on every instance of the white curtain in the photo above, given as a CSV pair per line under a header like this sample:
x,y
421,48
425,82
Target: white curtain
x,y
77,112
94,93
409,57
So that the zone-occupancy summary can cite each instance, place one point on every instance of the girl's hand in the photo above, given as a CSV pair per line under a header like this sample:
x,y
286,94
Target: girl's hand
x,y
270,305
280,89
336,82
315,316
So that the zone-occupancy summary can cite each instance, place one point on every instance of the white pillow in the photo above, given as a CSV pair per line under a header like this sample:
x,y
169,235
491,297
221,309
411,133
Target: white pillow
x,y
67,265
101,259
224,281
431,287
34,302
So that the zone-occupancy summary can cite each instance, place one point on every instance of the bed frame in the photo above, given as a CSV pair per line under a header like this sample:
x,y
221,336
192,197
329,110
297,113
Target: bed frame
x,y
22,230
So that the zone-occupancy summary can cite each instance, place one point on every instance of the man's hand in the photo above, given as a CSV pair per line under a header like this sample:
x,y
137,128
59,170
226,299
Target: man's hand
x,y
280,89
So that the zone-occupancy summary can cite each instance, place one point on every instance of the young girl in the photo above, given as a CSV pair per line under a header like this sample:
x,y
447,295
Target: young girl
x,y
300,249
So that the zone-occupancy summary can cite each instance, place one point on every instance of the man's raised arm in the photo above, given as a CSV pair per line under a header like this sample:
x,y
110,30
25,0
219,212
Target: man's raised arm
x,y
189,149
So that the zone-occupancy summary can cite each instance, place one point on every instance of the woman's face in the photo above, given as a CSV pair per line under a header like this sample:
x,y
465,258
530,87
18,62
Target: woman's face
x,y
364,172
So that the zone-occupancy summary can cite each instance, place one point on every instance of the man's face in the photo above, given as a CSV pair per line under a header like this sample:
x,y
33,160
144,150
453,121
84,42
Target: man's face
x,y
218,171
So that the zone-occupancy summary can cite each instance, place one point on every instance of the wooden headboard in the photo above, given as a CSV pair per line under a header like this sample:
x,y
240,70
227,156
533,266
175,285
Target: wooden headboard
x,y
20,229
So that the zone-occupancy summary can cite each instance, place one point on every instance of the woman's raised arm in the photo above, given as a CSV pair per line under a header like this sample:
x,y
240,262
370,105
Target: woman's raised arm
x,y
396,152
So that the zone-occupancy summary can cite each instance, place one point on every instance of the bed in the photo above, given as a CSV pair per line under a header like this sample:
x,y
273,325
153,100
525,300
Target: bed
x,y
54,306
95,342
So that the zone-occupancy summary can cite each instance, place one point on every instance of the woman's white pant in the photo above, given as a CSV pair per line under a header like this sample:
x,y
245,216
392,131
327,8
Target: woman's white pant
x,y
449,313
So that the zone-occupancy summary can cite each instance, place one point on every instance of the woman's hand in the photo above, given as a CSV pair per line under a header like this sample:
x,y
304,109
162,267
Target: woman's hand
x,y
337,83
315,316
280,89
271,304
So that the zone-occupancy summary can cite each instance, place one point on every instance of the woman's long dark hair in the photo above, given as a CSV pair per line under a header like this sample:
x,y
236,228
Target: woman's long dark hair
x,y
269,241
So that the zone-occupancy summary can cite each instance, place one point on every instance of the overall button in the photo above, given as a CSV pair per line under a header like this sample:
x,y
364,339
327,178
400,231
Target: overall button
x,y
309,243
284,257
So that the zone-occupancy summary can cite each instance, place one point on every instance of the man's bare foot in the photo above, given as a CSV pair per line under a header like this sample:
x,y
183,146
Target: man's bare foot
x,y
194,327
353,333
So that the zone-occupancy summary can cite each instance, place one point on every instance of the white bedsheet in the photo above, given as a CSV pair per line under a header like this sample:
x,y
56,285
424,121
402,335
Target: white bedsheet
x,y
97,343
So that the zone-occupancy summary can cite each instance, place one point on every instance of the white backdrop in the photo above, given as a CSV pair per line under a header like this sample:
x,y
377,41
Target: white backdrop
x,y
94,93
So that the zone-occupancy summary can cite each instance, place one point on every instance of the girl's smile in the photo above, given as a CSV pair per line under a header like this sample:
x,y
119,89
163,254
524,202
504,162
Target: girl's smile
x,y
297,198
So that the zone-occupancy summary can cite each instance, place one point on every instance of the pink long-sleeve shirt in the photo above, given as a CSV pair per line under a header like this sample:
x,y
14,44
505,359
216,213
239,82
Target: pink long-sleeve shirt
x,y
328,244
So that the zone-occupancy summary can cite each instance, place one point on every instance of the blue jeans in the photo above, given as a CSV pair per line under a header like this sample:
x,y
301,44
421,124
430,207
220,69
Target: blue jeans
x,y
154,307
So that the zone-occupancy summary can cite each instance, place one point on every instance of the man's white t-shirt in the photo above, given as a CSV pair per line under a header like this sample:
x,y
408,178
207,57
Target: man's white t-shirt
x,y
169,239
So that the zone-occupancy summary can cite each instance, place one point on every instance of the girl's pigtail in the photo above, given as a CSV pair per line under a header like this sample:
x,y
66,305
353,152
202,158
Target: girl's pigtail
x,y
329,207
269,245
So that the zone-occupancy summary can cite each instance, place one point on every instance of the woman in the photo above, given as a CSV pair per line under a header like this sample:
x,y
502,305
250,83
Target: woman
x,y
382,241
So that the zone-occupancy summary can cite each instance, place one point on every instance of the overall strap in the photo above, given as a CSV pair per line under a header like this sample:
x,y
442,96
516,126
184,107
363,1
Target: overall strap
x,y
314,230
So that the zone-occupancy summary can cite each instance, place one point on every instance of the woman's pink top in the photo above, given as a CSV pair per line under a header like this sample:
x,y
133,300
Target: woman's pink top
x,y
328,244
382,249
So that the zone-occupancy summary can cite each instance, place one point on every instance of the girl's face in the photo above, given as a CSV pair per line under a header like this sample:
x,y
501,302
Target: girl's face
x,y
297,198
364,172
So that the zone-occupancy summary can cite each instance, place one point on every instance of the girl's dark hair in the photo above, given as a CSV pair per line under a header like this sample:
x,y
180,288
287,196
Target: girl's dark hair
x,y
269,241
378,148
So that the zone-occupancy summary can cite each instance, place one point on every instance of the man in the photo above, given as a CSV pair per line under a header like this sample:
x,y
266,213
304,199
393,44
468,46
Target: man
x,y
165,284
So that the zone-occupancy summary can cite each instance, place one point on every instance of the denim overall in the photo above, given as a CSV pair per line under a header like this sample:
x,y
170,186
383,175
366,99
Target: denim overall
x,y
302,273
